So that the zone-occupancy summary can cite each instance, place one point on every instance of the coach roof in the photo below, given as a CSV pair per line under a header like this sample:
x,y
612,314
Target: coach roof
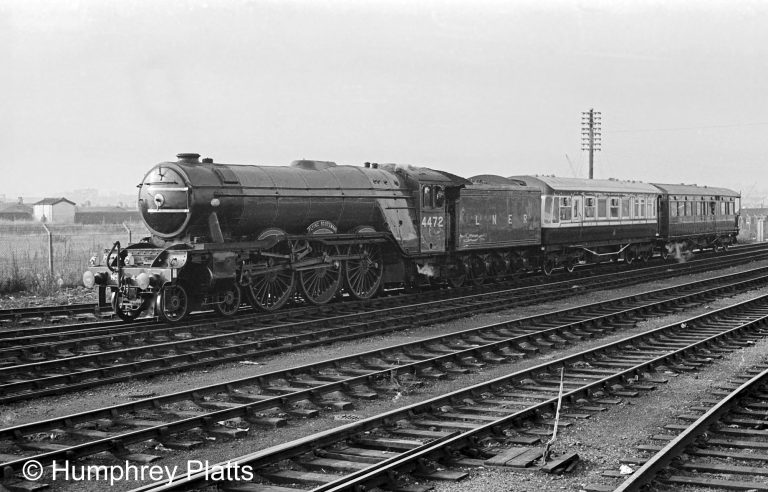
x,y
684,189
552,184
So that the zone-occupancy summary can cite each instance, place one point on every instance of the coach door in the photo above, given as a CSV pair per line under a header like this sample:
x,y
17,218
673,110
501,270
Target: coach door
x,y
433,219
662,209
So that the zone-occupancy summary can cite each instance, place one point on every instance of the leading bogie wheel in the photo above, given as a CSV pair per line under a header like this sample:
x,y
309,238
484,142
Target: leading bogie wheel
x,y
125,312
319,285
230,298
362,276
174,303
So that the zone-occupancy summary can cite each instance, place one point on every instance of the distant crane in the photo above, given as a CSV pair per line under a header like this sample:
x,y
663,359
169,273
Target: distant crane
x,y
573,169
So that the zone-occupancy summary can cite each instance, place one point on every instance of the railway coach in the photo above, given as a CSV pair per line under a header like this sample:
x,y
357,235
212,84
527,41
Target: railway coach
x,y
696,217
594,220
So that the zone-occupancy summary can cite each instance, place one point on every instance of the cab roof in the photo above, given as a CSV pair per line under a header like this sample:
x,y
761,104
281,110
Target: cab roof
x,y
425,174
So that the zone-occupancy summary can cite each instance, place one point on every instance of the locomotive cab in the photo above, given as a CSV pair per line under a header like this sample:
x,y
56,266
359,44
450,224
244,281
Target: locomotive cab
x,y
434,220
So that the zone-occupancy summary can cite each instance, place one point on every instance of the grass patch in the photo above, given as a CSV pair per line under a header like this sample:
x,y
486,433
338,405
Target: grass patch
x,y
24,260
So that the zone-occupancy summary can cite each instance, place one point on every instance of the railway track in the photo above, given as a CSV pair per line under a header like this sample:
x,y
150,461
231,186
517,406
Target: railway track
x,y
52,313
495,423
28,371
721,445
11,318
222,409
19,336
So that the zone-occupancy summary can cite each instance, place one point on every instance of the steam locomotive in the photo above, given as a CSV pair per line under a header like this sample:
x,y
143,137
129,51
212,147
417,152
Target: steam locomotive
x,y
315,230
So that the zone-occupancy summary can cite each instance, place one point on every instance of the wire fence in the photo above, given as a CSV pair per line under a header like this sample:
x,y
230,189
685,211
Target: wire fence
x,y
36,256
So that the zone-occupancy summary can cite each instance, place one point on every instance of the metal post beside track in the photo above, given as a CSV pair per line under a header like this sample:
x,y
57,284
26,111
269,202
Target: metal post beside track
x,y
50,249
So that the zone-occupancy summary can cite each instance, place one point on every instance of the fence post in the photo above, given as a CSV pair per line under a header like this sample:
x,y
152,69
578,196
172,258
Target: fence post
x,y
50,249
129,233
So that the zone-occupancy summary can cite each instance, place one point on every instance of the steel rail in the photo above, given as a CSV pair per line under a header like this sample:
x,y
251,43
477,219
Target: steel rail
x,y
471,438
195,357
164,429
646,473
530,279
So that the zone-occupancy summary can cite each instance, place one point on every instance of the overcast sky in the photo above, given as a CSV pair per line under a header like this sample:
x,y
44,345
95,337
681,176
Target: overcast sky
x,y
96,92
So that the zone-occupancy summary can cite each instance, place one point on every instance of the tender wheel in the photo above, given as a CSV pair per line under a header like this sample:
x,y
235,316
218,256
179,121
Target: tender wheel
x,y
231,298
476,270
362,277
548,266
319,285
496,266
174,303
126,312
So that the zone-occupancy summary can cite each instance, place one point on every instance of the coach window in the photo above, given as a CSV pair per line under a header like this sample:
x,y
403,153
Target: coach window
x,y
625,208
688,209
577,208
548,210
615,204
672,209
602,208
681,209
712,208
722,208
565,208
589,207
652,209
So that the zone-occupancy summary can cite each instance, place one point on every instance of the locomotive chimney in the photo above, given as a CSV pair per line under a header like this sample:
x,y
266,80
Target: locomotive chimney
x,y
367,164
207,160
189,158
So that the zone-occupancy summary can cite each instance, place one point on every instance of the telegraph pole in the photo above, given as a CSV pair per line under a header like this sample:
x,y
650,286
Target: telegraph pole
x,y
590,135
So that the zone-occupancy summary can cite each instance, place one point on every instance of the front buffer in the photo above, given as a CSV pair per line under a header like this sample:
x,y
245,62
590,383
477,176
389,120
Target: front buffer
x,y
140,278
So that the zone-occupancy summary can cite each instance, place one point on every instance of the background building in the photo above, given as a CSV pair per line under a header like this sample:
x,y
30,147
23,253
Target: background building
x,y
752,224
55,211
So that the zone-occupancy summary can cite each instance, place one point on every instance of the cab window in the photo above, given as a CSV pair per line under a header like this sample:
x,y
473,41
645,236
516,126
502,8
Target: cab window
x,y
426,197
439,196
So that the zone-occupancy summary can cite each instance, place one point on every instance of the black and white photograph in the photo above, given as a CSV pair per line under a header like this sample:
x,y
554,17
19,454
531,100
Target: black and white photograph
x,y
383,245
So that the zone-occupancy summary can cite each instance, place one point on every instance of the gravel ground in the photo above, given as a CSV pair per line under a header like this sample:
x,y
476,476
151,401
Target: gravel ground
x,y
605,438
598,453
